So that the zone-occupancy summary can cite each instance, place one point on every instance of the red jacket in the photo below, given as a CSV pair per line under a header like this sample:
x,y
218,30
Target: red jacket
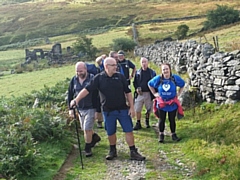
x,y
163,103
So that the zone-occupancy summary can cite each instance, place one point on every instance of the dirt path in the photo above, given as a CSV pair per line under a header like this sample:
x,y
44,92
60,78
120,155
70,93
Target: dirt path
x,y
126,169
67,164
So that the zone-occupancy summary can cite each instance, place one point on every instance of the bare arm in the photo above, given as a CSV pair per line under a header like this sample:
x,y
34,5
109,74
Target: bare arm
x,y
180,91
130,100
156,94
133,73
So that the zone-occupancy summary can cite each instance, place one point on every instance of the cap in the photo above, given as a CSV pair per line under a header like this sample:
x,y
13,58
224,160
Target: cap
x,y
121,52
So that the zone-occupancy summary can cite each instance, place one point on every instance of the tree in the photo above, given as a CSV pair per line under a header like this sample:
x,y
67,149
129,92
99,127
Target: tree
x,y
221,16
124,44
84,47
182,31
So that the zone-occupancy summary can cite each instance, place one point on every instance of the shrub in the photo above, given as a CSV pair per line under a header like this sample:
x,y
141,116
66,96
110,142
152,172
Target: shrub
x,y
181,31
18,151
124,44
221,16
84,46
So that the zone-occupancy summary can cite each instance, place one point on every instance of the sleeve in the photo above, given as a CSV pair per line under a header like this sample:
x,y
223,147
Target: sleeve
x,y
130,64
70,92
179,81
93,84
154,82
135,81
125,84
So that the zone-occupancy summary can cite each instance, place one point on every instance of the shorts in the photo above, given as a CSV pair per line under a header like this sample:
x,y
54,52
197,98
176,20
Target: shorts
x,y
110,121
145,98
86,118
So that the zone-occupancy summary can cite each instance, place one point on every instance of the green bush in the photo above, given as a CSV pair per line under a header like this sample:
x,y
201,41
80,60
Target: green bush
x,y
124,44
21,126
18,150
221,16
84,46
182,31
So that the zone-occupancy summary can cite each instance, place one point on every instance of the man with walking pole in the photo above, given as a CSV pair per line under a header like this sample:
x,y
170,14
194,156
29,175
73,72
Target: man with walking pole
x,y
85,107
113,89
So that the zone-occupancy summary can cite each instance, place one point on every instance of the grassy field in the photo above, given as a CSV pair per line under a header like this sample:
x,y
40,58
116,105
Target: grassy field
x,y
19,84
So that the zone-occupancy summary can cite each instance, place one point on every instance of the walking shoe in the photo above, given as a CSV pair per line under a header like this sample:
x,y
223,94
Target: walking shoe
x,y
88,150
161,138
99,125
175,138
147,124
137,126
111,155
95,139
134,155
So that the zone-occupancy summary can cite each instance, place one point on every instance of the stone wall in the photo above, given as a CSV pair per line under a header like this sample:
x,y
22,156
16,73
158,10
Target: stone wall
x,y
215,75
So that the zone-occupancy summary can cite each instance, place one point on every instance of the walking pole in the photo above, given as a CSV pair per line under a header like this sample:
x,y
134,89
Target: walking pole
x,y
79,145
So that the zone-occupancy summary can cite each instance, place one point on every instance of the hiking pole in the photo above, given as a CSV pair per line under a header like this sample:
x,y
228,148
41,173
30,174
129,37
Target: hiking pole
x,y
79,145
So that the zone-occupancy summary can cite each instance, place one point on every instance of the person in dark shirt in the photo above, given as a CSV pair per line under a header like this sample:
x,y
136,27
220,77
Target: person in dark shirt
x,y
85,106
98,115
112,88
143,94
126,66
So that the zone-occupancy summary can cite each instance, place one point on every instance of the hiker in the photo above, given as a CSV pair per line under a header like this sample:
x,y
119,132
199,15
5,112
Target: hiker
x,y
114,55
126,65
142,94
112,88
86,109
98,113
99,60
166,98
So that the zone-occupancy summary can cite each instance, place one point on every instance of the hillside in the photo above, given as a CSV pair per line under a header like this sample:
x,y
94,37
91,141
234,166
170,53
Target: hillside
x,y
41,19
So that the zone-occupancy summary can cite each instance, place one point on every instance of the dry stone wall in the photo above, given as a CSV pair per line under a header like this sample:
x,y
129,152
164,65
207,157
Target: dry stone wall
x,y
216,75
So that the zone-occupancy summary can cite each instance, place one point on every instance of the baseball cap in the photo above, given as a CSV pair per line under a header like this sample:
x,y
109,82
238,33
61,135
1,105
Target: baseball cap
x,y
121,52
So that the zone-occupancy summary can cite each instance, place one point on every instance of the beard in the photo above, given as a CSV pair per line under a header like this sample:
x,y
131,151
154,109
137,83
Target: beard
x,y
83,75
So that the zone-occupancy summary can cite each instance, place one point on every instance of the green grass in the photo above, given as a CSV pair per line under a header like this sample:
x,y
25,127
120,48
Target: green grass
x,y
19,84
52,157
210,147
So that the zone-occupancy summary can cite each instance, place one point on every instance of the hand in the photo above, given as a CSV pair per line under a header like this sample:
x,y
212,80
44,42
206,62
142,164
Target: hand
x,y
156,95
73,103
131,112
71,113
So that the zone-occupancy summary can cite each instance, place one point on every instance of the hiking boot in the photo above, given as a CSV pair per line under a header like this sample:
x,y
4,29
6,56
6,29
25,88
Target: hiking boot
x,y
134,155
161,138
95,139
137,126
111,155
147,124
175,138
99,125
88,150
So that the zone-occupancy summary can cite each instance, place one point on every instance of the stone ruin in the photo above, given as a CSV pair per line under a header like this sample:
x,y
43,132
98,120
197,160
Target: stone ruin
x,y
54,56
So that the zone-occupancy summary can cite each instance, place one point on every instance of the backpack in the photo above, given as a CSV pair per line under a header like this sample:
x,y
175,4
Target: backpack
x,y
92,69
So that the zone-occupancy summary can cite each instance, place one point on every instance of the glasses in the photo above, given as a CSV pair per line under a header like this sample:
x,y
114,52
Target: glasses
x,y
112,64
